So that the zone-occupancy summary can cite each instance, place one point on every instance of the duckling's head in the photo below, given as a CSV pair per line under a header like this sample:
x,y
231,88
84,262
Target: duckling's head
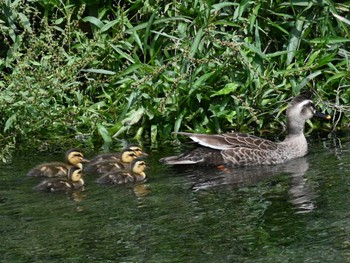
x,y
137,149
75,174
138,166
74,157
127,156
299,110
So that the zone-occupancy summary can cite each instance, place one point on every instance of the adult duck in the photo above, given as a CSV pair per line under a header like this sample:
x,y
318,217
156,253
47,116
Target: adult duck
x,y
243,149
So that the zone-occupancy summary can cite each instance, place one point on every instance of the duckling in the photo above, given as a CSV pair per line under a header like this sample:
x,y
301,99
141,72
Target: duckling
x,y
104,163
117,156
74,158
74,181
135,173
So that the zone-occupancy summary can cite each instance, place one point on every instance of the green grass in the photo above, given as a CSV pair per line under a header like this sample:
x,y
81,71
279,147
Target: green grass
x,y
141,70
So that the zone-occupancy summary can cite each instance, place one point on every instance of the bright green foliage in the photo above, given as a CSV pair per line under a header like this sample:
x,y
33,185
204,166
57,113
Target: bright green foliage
x,y
142,69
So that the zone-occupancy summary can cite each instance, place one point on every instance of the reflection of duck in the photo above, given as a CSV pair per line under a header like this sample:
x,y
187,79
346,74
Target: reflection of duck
x,y
245,149
73,182
74,158
135,173
105,163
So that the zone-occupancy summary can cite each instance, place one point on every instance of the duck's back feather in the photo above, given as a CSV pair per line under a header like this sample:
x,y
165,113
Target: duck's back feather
x,y
231,140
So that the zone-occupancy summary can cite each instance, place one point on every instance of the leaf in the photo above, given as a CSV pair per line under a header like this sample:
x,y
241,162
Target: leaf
x,y
199,82
133,117
294,40
93,20
341,18
178,121
227,89
196,42
10,121
99,71
107,26
122,53
104,133
306,80
329,40
154,134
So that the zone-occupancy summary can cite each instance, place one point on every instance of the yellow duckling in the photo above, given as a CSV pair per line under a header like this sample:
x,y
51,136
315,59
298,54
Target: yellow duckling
x,y
135,173
104,163
117,156
74,158
74,181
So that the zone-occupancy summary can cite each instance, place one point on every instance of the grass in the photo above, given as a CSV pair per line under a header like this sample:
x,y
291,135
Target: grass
x,y
140,70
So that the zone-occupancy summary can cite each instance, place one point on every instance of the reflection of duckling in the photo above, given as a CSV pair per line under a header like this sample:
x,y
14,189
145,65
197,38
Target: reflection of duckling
x,y
73,182
104,163
135,173
58,169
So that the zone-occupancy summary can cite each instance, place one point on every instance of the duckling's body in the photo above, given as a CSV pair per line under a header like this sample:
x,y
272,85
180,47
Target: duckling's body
x,y
135,173
244,149
73,182
59,169
104,163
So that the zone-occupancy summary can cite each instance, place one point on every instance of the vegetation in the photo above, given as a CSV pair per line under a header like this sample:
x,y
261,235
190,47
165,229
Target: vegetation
x,y
106,70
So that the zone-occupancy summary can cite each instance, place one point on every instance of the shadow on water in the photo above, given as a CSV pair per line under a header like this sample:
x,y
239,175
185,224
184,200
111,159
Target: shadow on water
x,y
301,194
294,212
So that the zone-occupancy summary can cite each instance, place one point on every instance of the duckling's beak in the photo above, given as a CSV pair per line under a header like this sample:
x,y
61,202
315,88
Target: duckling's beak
x,y
144,154
322,115
85,160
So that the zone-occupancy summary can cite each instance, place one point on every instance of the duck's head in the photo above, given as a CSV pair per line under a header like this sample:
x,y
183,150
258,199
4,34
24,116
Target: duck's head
x,y
137,149
299,110
127,155
138,166
74,157
75,174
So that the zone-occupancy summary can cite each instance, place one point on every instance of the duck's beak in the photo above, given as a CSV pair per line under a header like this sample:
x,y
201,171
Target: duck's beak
x,y
322,115
144,154
85,160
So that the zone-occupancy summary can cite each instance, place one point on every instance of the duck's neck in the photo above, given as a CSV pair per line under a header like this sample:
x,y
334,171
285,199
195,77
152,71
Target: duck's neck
x,y
295,127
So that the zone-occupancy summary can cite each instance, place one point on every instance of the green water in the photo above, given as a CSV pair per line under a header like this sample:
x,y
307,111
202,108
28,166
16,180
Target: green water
x,y
295,212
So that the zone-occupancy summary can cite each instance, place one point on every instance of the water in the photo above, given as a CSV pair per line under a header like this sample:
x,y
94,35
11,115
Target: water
x,y
295,212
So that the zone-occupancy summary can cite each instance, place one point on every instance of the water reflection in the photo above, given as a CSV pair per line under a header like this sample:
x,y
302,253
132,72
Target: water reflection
x,y
301,194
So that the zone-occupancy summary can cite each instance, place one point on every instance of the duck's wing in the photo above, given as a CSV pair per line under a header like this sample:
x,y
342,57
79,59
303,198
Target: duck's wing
x,y
231,140
54,169
116,177
53,185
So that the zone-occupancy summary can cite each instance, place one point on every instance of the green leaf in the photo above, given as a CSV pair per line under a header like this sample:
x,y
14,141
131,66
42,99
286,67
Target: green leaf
x,y
227,89
294,40
104,133
107,26
179,119
93,20
306,80
99,71
10,121
195,44
329,40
